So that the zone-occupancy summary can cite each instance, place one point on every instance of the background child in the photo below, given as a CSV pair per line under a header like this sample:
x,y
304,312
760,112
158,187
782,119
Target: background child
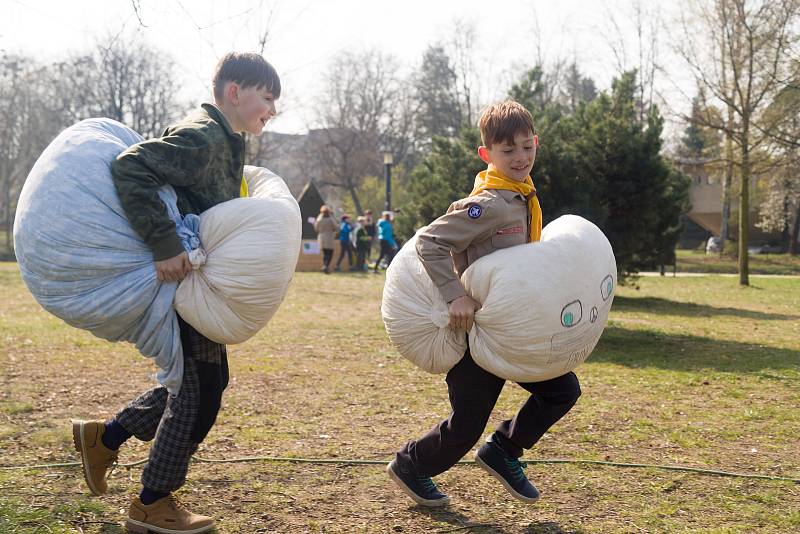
x,y
363,242
202,157
387,241
502,211
345,242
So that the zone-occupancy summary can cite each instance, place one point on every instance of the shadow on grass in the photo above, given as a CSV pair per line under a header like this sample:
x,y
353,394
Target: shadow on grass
x,y
113,529
673,307
461,523
458,520
548,527
646,348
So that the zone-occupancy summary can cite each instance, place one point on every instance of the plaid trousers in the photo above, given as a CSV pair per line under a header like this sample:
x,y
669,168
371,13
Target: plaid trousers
x,y
178,423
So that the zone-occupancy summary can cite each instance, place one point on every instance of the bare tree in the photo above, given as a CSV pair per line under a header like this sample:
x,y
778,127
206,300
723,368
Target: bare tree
x,y
781,210
122,79
26,126
460,48
358,115
642,56
739,51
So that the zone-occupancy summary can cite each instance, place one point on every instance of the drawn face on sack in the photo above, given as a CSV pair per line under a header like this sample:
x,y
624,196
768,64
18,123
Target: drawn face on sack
x,y
573,313
582,320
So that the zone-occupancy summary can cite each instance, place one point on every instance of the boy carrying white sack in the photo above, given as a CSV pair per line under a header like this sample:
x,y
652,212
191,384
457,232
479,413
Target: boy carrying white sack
x,y
501,211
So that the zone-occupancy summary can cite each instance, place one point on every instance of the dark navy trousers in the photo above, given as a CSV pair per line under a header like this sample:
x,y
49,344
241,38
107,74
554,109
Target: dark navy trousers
x,y
473,393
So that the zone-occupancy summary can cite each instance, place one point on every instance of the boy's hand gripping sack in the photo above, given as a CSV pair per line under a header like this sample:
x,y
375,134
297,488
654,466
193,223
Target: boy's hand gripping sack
x,y
544,305
251,248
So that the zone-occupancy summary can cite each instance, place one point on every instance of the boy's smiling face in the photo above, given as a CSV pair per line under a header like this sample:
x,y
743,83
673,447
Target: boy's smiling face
x,y
512,160
252,107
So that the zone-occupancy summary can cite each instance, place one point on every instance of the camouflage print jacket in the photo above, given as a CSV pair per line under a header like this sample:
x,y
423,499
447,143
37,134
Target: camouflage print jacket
x,y
201,157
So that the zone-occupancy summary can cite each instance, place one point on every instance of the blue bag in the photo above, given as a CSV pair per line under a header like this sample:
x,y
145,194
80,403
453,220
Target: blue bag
x,y
79,255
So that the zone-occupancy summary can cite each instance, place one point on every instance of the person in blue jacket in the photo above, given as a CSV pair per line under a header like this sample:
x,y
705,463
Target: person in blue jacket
x,y
386,238
345,243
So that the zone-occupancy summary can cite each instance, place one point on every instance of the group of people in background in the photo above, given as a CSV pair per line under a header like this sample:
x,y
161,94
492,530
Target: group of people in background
x,y
355,239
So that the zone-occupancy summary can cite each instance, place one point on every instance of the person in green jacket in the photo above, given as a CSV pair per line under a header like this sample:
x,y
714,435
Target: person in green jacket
x,y
202,158
363,243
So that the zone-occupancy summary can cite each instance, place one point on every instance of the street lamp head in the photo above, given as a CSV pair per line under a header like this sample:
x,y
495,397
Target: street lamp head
x,y
388,158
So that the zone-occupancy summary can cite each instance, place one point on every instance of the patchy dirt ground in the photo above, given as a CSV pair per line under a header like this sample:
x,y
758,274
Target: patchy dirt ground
x,y
678,379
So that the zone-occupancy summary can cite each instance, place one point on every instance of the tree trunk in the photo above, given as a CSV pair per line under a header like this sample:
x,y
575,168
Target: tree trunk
x,y
356,201
787,218
744,209
726,185
793,235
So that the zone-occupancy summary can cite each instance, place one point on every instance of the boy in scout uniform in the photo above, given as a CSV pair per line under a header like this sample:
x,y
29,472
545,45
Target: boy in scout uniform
x,y
502,211
202,158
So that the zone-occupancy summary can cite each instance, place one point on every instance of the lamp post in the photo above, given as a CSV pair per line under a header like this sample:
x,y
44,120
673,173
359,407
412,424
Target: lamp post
x,y
388,160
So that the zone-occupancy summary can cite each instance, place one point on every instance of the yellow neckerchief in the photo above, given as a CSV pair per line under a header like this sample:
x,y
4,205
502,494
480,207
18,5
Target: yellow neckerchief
x,y
492,179
243,191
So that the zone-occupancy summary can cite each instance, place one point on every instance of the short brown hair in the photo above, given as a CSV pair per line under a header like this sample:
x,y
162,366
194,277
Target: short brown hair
x,y
501,121
247,69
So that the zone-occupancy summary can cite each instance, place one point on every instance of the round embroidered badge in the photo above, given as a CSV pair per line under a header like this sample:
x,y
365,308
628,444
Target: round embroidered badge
x,y
474,211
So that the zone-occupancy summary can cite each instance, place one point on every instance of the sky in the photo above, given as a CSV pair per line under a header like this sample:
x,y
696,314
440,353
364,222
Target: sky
x,y
304,35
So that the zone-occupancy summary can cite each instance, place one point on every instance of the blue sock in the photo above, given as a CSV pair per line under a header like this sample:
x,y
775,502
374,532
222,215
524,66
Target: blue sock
x,y
115,435
148,496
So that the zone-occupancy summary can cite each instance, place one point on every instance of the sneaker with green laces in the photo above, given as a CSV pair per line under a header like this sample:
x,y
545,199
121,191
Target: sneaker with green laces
x,y
420,488
508,470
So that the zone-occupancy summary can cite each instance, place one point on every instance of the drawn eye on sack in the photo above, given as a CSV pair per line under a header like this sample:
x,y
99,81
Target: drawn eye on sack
x,y
607,287
572,314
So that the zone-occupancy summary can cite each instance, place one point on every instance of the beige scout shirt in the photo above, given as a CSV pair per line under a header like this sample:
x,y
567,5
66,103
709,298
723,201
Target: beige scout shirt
x,y
472,228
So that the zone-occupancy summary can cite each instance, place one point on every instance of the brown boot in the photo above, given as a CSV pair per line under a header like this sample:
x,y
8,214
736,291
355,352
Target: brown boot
x,y
165,516
96,458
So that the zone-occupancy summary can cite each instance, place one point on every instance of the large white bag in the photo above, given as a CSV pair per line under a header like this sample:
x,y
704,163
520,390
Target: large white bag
x,y
252,245
544,305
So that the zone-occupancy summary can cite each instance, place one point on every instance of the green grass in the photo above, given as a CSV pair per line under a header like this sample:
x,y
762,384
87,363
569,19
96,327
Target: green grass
x,y
693,371
694,261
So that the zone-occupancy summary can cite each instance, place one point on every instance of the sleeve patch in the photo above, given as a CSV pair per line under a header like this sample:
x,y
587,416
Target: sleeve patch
x,y
474,211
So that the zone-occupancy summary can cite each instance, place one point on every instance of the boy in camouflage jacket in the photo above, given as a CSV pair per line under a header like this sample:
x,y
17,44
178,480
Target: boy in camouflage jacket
x,y
202,158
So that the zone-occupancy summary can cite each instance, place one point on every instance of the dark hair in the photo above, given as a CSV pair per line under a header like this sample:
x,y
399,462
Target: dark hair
x,y
502,121
247,69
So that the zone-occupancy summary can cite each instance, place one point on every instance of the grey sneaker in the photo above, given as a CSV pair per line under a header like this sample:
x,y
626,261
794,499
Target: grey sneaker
x,y
508,470
421,489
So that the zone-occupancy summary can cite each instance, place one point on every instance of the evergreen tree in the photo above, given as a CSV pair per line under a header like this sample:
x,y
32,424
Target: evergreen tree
x,y
700,141
578,89
640,197
435,86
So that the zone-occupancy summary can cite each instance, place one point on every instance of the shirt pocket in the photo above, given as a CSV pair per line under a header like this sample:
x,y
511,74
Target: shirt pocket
x,y
508,236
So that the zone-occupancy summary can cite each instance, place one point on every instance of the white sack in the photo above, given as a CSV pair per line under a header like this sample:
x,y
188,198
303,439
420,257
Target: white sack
x,y
415,315
544,305
252,245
